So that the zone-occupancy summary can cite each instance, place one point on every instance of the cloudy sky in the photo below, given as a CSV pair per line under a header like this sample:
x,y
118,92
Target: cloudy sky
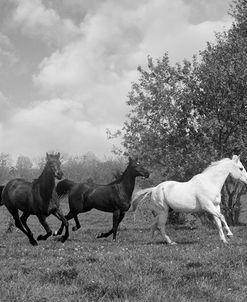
x,y
66,66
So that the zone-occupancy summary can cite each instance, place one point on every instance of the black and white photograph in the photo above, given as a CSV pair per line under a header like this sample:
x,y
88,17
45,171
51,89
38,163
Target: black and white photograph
x,y
123,150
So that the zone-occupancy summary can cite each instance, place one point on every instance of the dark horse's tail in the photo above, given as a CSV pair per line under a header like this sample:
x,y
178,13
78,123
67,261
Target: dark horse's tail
x,y
1,190
64,187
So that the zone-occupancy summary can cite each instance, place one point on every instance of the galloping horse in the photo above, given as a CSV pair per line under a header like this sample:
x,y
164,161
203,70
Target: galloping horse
x,y
201,193
114,197
36,198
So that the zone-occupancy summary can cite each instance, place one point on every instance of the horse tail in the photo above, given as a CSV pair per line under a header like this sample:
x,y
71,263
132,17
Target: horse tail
x,y
64,187
140,196
1,190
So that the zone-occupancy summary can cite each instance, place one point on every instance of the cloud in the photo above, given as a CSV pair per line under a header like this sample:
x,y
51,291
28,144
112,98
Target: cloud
x,y
36,20
83,84
7,54
5,107
52,125
98,67
210,10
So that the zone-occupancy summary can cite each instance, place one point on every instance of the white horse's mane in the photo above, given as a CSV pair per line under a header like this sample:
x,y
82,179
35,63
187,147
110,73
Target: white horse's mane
x,y
216,163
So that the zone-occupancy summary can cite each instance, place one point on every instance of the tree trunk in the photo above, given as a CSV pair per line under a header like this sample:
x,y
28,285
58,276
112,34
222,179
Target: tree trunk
x,y
231,195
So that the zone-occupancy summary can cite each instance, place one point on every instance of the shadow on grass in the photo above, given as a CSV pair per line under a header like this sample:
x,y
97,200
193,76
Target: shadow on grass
x,y
184,227
161,242
185,242
64,276
97,291
193,265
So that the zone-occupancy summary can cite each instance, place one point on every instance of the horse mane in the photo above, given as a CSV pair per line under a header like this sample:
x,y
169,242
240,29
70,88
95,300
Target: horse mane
x,y
118,177
216,163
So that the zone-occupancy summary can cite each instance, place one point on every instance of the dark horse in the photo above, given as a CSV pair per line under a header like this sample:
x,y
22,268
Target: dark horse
x,y
114,197
36,198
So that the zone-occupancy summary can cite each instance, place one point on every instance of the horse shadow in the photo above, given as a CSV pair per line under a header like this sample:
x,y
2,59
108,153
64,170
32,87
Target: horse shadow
x,y
178,242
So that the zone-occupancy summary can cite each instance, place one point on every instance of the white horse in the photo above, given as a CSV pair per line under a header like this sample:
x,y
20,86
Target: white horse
x,y
201,193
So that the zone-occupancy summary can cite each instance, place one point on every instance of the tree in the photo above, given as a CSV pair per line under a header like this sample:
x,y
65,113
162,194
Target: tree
x,y
81,168
5,167
221,100
161,123
185,116
23,167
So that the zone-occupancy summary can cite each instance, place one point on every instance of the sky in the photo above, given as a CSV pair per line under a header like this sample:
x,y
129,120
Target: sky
x,y
66,66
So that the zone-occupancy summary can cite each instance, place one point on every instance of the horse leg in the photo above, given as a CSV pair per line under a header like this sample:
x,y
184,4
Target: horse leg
x,y
117,218
219,225
60,230
154,227
116,223
45,226
229,233
161,225
20,226
218,217
23,219
77,226
58,213
102,235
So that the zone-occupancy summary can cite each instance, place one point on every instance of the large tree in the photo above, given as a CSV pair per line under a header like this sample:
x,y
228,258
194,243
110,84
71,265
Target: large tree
x,y
184,116
162,121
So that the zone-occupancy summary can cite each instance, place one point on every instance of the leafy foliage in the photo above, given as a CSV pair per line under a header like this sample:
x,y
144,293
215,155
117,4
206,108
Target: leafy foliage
x,y
161,122
185,116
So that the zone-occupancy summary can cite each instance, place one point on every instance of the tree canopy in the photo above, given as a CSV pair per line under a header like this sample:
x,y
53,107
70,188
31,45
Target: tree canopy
x,y
182,117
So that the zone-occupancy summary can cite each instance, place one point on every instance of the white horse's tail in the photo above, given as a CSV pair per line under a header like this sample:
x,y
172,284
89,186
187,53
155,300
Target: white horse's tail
x,y
139,196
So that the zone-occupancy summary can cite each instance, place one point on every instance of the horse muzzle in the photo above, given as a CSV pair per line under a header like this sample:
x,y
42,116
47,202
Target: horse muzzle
x,y
244,179
59,175
146,174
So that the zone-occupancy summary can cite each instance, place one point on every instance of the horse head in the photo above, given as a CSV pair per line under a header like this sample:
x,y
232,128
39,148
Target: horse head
x,y
53,160
137,169
238,170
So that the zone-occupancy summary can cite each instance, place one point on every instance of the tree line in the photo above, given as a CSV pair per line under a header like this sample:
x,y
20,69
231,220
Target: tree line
x,y
77,168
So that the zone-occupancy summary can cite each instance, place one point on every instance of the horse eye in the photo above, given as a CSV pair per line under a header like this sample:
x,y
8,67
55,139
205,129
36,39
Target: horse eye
x,y
241,169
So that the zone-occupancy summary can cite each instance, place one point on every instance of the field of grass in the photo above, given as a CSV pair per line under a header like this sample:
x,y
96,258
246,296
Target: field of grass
x,y
198,268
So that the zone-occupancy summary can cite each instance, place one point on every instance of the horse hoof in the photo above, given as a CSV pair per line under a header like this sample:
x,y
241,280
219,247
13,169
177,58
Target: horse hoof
x,y
56,233
172,243
100,236
34,243
63,239
230,235
40,237
74,228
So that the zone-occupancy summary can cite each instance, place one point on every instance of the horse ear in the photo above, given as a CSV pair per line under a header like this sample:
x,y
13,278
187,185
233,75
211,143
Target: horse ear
x,y
130,159
236,158
47,156
58,155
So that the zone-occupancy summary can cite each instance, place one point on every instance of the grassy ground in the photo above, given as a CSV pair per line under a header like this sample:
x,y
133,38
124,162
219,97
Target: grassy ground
x,y
198,268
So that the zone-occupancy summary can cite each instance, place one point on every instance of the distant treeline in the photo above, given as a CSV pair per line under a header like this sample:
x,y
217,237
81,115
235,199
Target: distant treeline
x,y
77,168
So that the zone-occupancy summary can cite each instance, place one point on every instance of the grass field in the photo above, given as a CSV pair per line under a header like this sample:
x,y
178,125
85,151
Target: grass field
x,y
198,268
